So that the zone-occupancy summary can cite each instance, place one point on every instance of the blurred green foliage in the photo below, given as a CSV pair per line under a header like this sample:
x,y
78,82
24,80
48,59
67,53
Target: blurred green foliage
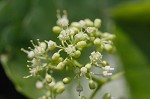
x,y
22,20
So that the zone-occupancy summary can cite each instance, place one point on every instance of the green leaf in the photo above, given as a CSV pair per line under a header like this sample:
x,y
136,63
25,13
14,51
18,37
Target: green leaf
x,y
135,64
22,20
16,70
137,12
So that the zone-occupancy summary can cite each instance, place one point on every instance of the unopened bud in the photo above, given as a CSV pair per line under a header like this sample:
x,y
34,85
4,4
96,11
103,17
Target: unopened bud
x,y
55,56
59,87
82,97
60,66
106,96
97,42
51,85
88,66
97,23
31,54
88,22
51,44
81,44
48,78
57,29
39,84
104,63
66,80
92,84
108,48
77,54
76,24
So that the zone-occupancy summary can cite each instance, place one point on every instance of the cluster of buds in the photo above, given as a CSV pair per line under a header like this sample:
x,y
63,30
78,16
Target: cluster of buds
x,y
48,57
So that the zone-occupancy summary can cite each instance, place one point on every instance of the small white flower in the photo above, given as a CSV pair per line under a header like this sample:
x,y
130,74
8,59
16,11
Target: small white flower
x,y
33,71
63,36
70,50
82,23
63,21
95,57
30,54
83,71
106,73
51,44
36,62
107,68
90,29
39,50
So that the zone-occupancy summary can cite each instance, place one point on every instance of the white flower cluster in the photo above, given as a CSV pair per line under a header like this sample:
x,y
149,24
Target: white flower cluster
x,y
48,57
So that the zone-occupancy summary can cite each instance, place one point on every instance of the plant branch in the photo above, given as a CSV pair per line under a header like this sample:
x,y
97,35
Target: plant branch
x,y
95,91
101,82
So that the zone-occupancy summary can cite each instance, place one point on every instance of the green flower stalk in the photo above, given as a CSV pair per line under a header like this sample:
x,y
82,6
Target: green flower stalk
x,y
47,56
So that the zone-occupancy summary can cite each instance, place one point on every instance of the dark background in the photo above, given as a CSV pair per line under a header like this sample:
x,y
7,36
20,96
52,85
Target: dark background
x,y
7,89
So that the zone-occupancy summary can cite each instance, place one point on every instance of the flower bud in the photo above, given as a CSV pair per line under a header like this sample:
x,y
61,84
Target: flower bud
x,y
66,80
43,45
60,66
97,42
76,24
55,56
57,29
48,78
104,63
109,36
88,22
106,96
74,29
97,23
82,97
60,59
59,87
31,54
108,48
88,66
92,84
82,23
81,36
39,84
81,44
51,85
77,54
